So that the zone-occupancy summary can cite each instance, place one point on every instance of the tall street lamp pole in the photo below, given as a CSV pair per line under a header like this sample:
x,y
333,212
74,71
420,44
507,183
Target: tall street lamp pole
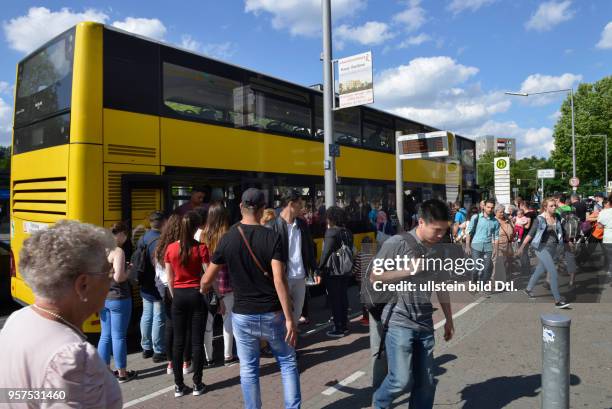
x,y
571,93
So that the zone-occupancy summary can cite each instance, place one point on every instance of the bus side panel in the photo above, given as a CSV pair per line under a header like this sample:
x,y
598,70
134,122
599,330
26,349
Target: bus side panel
x,y
131,138
85,184
37,177
86,111
218,147
190,144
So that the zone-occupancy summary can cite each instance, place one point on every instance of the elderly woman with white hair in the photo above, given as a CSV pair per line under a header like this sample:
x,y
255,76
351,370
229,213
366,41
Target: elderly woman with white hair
x,y
42,346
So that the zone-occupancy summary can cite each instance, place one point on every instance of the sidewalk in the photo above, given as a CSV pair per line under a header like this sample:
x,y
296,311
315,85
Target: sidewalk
x,y
494,361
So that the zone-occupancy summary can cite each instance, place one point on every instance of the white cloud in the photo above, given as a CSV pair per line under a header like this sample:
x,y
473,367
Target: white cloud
x,y
606,37
458,6
413,17
555,116
6,120
222,51
540,83
415,40
371,33
190,43
148,27
301,17
537,142
436,91
26,33
421,78
549,14
6,88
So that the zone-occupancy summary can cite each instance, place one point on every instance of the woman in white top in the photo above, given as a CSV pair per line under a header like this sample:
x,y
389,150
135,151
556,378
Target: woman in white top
x,y
42,346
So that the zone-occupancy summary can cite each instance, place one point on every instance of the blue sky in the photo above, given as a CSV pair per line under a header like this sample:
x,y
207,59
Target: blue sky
x,y
446,63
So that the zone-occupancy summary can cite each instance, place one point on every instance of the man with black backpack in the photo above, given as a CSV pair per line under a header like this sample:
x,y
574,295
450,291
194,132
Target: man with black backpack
x,y
405,324
152,322
571,230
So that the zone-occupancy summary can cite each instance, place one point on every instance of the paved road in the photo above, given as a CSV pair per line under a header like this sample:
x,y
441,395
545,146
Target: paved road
x,y
493,362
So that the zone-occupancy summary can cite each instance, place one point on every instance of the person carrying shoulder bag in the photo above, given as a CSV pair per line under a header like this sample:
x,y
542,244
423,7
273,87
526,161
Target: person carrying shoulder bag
x,y
336,265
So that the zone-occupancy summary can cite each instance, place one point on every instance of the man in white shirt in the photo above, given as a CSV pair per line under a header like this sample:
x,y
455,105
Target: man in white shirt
x,y
297,247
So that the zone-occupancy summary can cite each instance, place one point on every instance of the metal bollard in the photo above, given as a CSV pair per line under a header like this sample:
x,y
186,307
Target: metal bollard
x,y
555,361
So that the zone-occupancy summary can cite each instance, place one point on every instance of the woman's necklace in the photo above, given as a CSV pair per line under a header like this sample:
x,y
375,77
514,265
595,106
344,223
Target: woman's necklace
x,y
60,318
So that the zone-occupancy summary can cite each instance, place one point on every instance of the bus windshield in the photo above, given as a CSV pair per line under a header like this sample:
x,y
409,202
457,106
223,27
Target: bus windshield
x,y
44,81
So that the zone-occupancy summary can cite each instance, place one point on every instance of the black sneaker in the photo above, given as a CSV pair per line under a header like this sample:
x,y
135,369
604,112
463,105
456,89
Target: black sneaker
x,y
129,375
335,333
180,391
198,389
209,364
230,361
529,294
562,304
147,353
159,358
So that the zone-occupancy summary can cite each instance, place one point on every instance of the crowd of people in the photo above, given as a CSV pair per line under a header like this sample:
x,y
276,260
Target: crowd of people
x,y
194,265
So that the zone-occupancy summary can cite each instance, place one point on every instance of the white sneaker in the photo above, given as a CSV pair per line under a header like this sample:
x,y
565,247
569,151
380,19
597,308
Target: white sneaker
x,y
187,369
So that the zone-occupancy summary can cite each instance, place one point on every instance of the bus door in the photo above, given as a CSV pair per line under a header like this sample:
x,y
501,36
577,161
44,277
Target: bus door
x,y
142,194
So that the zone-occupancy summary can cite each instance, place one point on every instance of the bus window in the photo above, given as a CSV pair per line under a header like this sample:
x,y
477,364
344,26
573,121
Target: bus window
x,y
274,108
44,81
377,136
201,95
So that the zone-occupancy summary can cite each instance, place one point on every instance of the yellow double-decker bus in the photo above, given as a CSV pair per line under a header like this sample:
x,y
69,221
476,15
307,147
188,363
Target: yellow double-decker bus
x,y
110,126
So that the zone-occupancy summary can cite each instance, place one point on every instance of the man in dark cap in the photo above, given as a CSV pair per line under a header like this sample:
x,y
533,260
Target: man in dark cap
x,y
262,309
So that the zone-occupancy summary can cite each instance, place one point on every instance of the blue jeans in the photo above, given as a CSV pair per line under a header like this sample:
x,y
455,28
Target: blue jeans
x,y
114,319
248,330
152,326
411,362
483,274
546,264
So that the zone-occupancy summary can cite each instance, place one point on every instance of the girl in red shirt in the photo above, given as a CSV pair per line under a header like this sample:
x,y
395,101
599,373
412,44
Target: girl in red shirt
x,y
185,261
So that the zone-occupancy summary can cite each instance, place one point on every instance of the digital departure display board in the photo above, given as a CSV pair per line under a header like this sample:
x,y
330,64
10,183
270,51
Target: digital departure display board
x,y
425,145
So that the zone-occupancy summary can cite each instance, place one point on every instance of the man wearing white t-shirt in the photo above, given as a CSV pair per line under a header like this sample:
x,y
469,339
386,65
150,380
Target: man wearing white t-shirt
x,y
297,247
605,219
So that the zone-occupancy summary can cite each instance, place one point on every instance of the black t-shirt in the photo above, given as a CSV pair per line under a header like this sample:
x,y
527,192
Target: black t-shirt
x,y
581,210
254,293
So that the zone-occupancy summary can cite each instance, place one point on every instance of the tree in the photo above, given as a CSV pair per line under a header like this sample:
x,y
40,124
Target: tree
x,y
593,115
5,158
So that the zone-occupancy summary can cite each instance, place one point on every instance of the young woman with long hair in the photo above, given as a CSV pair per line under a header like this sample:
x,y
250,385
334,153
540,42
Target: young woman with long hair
x,y
170,233
546,236
185,260
216,226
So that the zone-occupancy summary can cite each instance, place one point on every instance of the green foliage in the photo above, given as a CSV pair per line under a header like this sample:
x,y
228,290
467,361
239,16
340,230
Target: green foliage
x,y
5,157
593,115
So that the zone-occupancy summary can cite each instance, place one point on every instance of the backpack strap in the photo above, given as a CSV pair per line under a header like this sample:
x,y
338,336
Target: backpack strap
x,y
383,336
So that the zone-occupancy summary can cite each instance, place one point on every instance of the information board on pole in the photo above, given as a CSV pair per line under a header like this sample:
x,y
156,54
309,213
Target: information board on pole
x,y
356,86
502,179
546,173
